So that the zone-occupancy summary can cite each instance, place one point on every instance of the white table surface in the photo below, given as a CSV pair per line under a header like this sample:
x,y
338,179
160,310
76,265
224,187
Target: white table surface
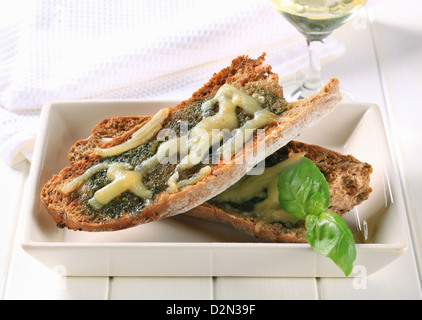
x,y
382,64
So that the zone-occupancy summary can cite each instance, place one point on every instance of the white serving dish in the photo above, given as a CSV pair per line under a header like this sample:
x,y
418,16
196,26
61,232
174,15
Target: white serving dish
x,y
185,246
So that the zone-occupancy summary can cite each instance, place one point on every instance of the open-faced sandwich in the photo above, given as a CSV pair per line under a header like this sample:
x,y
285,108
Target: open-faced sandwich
x,y
196,158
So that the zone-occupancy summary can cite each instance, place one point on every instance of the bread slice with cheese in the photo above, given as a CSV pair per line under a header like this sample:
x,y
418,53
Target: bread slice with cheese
x,y
246,205
124,183
251,205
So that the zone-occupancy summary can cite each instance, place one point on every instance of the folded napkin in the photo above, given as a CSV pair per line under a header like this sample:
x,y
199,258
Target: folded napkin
x,y
59,50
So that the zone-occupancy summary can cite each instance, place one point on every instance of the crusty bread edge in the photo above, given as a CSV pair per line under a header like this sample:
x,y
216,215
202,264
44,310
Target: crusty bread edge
x,y
310,111
251,226
166,205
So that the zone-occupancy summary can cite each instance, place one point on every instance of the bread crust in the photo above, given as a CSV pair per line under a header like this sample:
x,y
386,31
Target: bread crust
x,y
304,113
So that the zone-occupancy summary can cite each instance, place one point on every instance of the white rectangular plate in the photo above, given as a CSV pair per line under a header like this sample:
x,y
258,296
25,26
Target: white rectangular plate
x,y
185,246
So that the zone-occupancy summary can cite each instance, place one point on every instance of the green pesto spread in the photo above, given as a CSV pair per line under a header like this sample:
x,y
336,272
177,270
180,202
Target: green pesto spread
x,y
157,177
256,196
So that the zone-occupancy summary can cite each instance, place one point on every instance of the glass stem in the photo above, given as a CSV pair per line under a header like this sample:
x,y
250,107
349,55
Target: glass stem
x,y
313,82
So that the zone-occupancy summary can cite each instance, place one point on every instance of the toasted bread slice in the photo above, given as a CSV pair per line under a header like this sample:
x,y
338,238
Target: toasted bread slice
x,y
347,177
68,209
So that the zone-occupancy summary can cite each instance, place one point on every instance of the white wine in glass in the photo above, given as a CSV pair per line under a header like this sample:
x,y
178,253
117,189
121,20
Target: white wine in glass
x,y
316,20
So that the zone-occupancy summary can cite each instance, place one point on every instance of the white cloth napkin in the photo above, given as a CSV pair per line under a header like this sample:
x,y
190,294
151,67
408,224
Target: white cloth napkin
x,y
59,50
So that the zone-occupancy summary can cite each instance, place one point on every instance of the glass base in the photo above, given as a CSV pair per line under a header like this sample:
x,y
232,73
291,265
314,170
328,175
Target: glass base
x,y
294,91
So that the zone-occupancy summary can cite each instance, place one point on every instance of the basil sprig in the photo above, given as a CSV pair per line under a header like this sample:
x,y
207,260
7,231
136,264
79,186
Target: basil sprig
x,y
304,193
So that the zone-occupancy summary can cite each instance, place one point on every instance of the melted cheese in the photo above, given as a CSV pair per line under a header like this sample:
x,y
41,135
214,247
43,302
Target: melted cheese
x,y
263,186
122,180
76,182
172,183
244,134
191,149
143,135
204,134
205,171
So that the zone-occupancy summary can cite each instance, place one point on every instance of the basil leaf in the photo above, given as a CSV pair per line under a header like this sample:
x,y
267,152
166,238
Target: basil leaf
x,y
329,234
303,189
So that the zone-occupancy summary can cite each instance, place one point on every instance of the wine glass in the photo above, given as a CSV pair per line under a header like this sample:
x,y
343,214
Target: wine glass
x,y
316,20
